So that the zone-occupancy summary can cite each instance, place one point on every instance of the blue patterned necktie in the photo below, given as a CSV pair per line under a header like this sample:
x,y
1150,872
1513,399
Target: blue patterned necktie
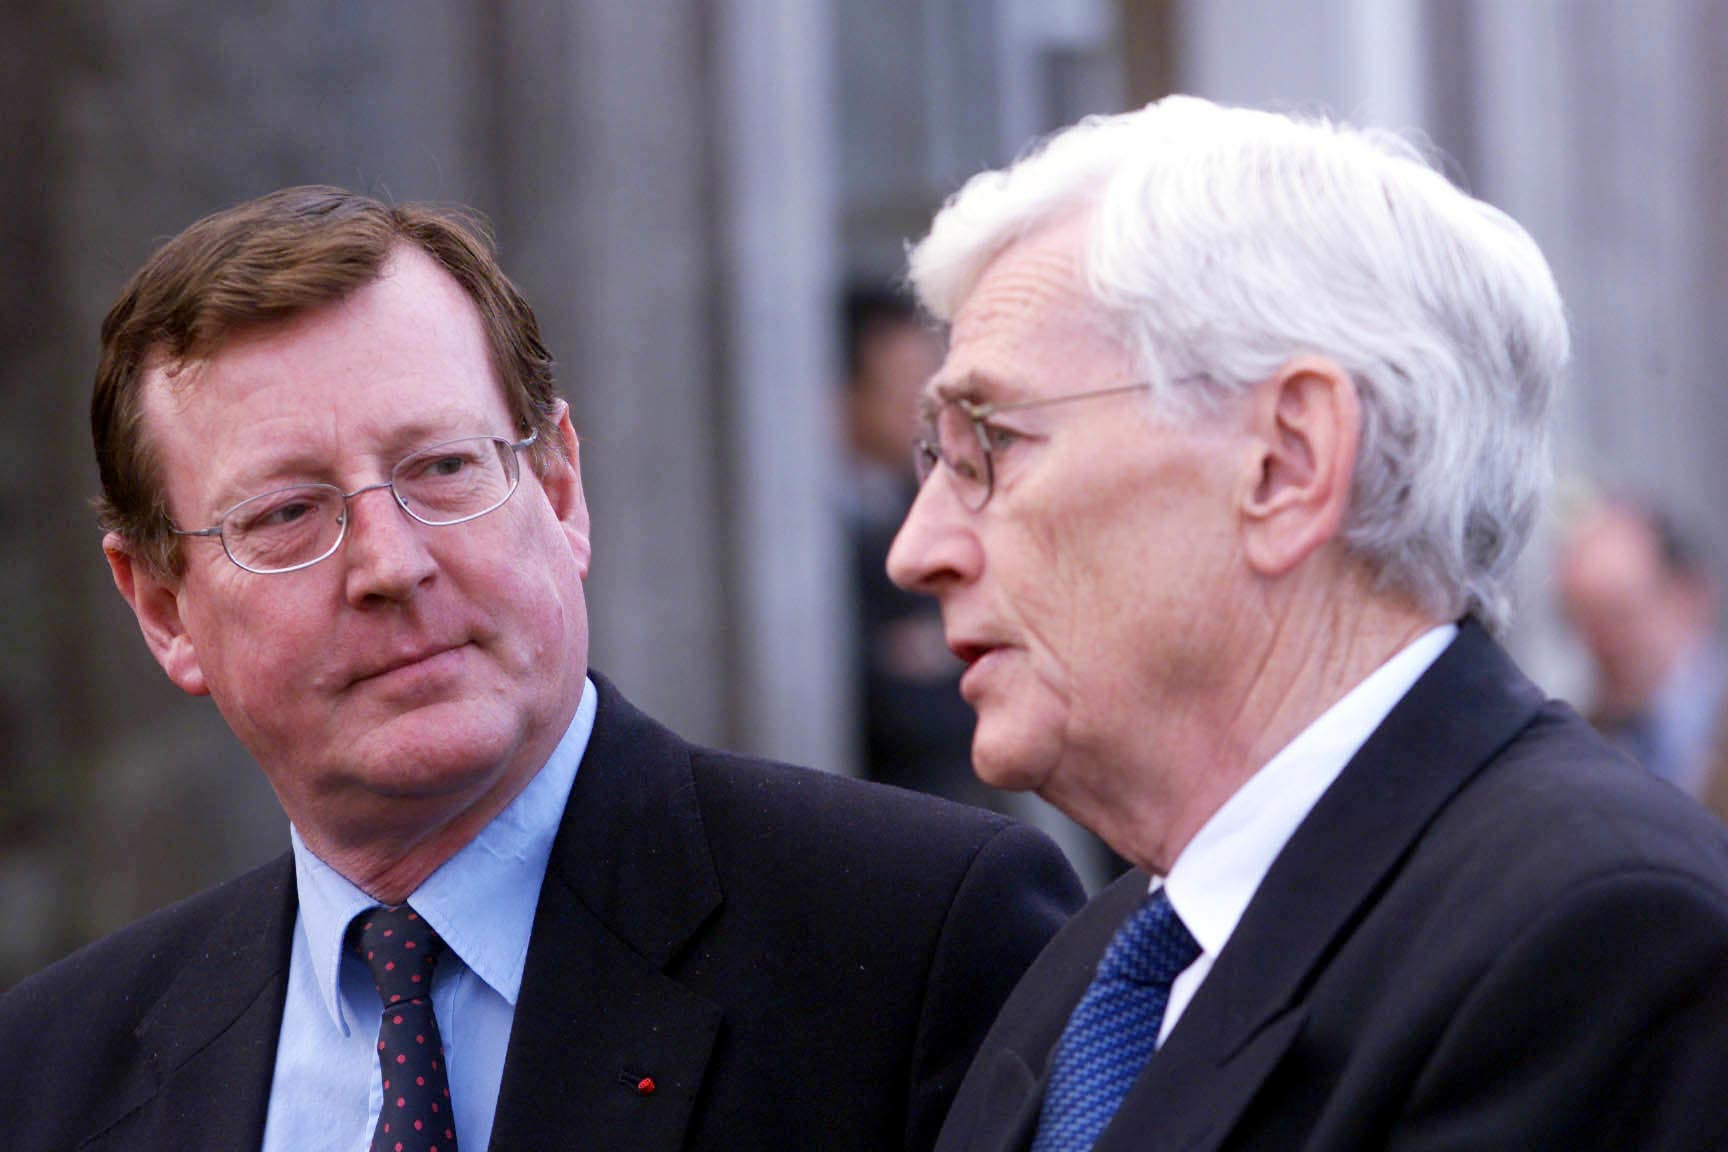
x,y
1112,1033
402,951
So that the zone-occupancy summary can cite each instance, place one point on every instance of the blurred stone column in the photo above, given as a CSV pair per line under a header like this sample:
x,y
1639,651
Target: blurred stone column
x,y
779,225
1357,59
45,705
1599,126
665,203
606,217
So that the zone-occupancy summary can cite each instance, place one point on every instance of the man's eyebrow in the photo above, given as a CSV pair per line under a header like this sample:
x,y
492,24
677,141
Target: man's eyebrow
x,y
940,392
265,473
930,402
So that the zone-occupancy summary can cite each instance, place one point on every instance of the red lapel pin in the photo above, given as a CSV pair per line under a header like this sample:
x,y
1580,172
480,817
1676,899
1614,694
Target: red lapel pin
x,y
644,1085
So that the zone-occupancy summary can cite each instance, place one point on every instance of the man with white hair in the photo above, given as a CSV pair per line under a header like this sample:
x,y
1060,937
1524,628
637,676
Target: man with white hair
x,y
1242,426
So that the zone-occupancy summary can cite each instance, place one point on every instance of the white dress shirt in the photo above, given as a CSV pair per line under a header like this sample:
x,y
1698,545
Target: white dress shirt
x,y
326,1093
1217,874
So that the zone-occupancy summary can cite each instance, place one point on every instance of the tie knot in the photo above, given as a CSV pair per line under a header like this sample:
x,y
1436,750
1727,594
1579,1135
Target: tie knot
x,y
1152,947
401,950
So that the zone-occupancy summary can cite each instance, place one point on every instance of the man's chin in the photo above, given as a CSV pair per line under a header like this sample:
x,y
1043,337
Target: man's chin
x,y
1010,765
411,759
424,780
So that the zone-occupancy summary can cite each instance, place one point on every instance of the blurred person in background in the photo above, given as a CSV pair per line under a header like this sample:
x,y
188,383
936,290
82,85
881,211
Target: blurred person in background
x,y
1639,592
916,730
1242,426
343,499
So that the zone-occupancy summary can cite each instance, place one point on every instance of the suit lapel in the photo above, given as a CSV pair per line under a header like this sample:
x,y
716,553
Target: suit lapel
x,y
1463,711
208,1047
1000,1109
997,1108
630,881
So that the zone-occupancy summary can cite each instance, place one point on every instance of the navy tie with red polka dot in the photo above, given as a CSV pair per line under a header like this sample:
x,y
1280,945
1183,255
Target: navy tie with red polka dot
x,y
402,950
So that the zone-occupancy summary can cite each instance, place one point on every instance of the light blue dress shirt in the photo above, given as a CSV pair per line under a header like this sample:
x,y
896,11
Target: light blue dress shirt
x,y
326,1093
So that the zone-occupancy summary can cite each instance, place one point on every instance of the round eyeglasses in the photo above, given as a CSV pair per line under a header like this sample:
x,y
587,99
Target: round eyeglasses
x,y
295,527
959,434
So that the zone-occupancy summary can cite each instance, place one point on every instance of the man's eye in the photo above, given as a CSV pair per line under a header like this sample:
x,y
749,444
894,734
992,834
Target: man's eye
x,y
272,515
443,465
286,514
1001,439
967,469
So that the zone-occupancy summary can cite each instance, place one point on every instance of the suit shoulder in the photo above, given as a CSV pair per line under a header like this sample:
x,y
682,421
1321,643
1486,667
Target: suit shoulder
x,y
632,761
132,966
835,837
844,814
1561,803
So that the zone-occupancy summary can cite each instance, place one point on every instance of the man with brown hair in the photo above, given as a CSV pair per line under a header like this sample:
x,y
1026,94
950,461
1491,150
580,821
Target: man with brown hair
x,y
343,499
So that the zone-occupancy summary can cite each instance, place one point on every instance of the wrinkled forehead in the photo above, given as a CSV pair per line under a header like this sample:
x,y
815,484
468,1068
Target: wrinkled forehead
x,y
1030,327
174,376
167,388
170,388
402,357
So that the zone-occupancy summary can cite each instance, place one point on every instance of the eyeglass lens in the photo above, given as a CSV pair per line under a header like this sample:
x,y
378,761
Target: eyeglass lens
x,y
444,484
959,441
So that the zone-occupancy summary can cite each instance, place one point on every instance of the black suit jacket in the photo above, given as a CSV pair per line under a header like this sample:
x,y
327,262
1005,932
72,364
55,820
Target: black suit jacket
x,y
796,960
1492,932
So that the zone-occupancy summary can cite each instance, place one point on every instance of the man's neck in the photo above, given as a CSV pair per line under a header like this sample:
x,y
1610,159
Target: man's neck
x,y
1305,659
388,846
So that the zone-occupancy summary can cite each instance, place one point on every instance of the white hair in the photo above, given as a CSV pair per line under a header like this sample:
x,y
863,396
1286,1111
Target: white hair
x,y
1223,242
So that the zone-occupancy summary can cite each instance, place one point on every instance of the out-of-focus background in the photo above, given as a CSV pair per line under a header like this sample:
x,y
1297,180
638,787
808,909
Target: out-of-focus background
x,y
687,190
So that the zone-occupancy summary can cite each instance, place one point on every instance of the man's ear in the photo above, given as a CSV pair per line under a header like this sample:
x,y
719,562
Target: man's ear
x,y
156,602
1305,424
563,484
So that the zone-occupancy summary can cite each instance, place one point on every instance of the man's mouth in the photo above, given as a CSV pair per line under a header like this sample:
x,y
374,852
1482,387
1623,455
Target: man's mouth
x,y
977,655
970,652
403,660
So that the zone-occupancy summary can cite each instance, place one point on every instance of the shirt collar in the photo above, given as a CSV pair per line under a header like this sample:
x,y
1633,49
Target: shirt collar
x,y
1216,876
481,900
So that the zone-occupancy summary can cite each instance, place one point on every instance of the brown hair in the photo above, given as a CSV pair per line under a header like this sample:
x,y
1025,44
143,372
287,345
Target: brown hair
x,y
264,262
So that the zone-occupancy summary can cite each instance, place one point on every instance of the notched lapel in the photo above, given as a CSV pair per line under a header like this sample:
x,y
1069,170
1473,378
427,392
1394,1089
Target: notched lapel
x,y
1249,1010
1185,1105
1457,717
999,1109
209,1044
632,847
595,1020
629,885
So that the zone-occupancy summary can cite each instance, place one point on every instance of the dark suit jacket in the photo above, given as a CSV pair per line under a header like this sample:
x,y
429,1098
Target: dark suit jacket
x,y
796,960
1492,932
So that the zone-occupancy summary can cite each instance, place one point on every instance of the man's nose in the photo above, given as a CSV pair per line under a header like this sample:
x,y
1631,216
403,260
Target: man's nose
x,y
937,545
387,557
